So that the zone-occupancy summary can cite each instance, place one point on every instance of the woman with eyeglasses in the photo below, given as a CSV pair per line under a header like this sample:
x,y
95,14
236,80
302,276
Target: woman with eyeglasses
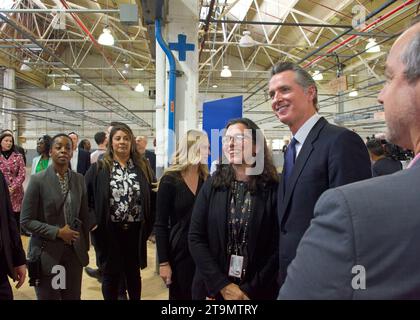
x,y
177,191
233,236
43,160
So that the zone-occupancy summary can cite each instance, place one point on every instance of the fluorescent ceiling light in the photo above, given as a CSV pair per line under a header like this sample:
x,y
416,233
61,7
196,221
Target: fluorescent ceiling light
x,y
246,40
372,46
226,73
25,66
353,93
106,38
317,75
65,87
139,88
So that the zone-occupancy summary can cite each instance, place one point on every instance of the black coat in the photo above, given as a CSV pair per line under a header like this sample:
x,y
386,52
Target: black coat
x,y
11,243
151,156
331,156
97,182
208,244
83,161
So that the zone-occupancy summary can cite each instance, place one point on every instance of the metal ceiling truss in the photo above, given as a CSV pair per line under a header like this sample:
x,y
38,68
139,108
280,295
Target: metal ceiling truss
x,y
47,106
106,100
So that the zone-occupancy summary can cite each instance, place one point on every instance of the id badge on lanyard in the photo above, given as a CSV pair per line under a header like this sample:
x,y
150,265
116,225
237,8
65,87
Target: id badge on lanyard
x,y
236,266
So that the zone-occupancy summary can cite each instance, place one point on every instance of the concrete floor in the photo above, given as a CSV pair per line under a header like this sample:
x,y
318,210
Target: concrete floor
x,y
153,287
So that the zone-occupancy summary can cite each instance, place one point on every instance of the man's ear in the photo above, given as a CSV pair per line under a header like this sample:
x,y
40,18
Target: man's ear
x,y
311,91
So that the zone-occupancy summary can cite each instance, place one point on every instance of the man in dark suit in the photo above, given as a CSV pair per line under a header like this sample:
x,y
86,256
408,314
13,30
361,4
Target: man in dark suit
x,y
364,240
319,157
12,256
382,163
80,162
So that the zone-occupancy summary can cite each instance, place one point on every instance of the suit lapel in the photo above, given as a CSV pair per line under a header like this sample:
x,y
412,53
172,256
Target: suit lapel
x,y
54,187
300,163
75,194
257,213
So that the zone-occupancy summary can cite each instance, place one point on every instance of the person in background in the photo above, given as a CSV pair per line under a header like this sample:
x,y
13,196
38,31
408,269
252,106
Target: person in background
x,y
381,163
13,168
233,236
141,142
12,255
43,160
85,145
286,144
56,214
18,148
80,162
177,191
119,195
101,140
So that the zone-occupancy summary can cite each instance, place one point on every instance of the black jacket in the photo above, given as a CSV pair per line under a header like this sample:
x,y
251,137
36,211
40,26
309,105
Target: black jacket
x,y
11,244
208,244
97,182
83,161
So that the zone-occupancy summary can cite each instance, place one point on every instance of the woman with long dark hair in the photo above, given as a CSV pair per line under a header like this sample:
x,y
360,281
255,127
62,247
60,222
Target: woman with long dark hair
x,y
233,235
177,191
119,193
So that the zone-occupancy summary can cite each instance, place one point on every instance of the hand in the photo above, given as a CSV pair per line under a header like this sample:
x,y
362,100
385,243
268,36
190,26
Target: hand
x,y
165,273
11,190
67,234
20,275
233,292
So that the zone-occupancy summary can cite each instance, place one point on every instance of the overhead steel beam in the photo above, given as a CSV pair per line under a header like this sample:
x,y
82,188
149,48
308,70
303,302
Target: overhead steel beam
x,y
38,117
372,14
275,23
114,105
47,106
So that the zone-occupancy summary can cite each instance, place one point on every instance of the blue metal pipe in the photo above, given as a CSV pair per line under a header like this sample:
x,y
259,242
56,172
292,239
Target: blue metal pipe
x,y
172,87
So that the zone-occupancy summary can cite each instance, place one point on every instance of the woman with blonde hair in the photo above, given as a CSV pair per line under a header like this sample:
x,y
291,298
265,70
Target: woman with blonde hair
x,y
177,190
119,193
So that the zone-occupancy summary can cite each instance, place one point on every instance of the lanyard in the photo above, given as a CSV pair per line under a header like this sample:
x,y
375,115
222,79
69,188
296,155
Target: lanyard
x,y
240,213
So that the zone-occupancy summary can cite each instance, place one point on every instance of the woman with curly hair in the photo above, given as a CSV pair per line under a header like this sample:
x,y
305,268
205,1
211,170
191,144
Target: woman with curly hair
x,y
233,237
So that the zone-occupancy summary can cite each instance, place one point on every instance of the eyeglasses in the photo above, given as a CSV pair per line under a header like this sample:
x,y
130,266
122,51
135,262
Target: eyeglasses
x,y
238,138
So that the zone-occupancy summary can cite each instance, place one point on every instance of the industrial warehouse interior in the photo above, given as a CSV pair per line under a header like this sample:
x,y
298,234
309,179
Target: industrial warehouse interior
x,y
77,66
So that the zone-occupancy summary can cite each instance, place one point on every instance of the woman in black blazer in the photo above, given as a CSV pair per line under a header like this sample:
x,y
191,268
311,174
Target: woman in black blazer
x,y
119,193
233,234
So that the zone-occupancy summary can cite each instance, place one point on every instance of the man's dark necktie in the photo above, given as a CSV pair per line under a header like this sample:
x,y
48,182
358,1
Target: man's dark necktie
x,y
289,161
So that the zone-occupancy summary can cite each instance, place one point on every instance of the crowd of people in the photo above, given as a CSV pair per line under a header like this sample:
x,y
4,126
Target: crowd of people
x,y
241,232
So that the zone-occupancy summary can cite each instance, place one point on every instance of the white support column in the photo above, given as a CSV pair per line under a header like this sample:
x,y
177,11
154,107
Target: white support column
x,y
9,83
161,94
183,19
